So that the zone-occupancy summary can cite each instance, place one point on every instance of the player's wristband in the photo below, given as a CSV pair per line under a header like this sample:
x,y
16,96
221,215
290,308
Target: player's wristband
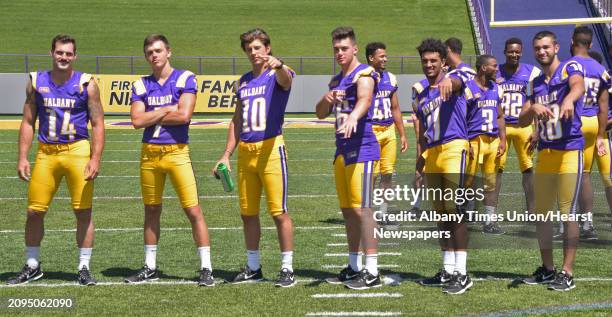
x,y
282,63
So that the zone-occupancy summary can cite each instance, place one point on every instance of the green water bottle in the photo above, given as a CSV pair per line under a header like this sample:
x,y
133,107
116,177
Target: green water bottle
x,y
224,175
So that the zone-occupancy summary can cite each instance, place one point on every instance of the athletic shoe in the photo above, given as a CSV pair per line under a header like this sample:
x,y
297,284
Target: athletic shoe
x,y
248,276
85,277
493,228
540,276
588,234
364,280
441,278
285,278
558,234
26,275
562,283
206,278
143,275
458,284
344,276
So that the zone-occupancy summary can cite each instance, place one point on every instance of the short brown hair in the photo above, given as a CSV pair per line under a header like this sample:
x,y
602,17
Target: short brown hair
x,y
63,38
342,32
252,35
152,38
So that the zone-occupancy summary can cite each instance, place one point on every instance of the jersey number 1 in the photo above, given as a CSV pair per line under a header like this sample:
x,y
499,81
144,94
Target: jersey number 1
x,y
67,127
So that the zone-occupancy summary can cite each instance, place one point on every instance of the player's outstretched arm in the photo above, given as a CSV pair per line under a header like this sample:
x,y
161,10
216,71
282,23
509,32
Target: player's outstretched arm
x,y
96,115
420,145
183,113
233,135
602,118
324,106
26,132
283,75
365,91
448,86
576,92
399,121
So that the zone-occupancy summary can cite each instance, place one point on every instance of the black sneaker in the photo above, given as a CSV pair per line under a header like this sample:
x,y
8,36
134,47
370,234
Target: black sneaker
x,y
364,280
285,278
85,277
459,284
440,279
540,276
344,276
493,228
588,234
26,275
206,278
248,276
143,275
562,283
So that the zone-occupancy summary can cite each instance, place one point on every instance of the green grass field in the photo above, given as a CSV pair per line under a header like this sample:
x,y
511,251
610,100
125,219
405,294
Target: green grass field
x,y
118,251
212,28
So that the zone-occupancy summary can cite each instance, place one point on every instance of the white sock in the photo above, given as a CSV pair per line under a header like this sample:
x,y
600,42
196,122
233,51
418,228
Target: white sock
x,y
371,263
287,260
84,257
448,261
384,207
253,260
150,255
461,262
490,210
561,228
204,253
588,224
355,261
33,257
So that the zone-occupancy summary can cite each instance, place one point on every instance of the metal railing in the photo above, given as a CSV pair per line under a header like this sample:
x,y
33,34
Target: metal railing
x,y
210,65
602,8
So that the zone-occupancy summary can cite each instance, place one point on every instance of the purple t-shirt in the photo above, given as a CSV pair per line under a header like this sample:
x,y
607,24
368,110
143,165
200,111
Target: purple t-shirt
x,y
362,146
556,133
596,79
514,89
148,90
263,105
62,110
444,121
387,86
482,109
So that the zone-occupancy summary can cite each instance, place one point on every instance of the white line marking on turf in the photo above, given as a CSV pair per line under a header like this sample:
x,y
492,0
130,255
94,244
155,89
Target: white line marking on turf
x,y
379,253
360,295
355,313
339,235
338,266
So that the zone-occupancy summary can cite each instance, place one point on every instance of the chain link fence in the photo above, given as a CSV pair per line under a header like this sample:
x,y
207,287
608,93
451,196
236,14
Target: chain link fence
x,y
23,63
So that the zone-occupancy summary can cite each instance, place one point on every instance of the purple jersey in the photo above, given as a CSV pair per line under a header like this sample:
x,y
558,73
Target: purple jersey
x,y
362,146
463,71
482,109
263,105
555,133
148,91
62,110
596,79
387,86
444,121
514,89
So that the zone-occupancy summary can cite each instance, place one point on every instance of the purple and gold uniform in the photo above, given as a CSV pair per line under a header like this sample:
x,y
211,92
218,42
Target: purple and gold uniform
x,y
165,149
383,124
514,87
446,135
356,157
63,146
463,71
483,131
605,169
596,79
262,157
560,159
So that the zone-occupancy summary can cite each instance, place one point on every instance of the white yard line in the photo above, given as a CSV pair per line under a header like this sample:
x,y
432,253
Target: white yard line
x,y
357,295
177,229
339,266
172,197
379,254
355,313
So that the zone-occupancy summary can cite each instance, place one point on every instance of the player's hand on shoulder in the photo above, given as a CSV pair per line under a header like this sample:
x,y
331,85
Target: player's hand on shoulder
x,y
92,169
23,169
